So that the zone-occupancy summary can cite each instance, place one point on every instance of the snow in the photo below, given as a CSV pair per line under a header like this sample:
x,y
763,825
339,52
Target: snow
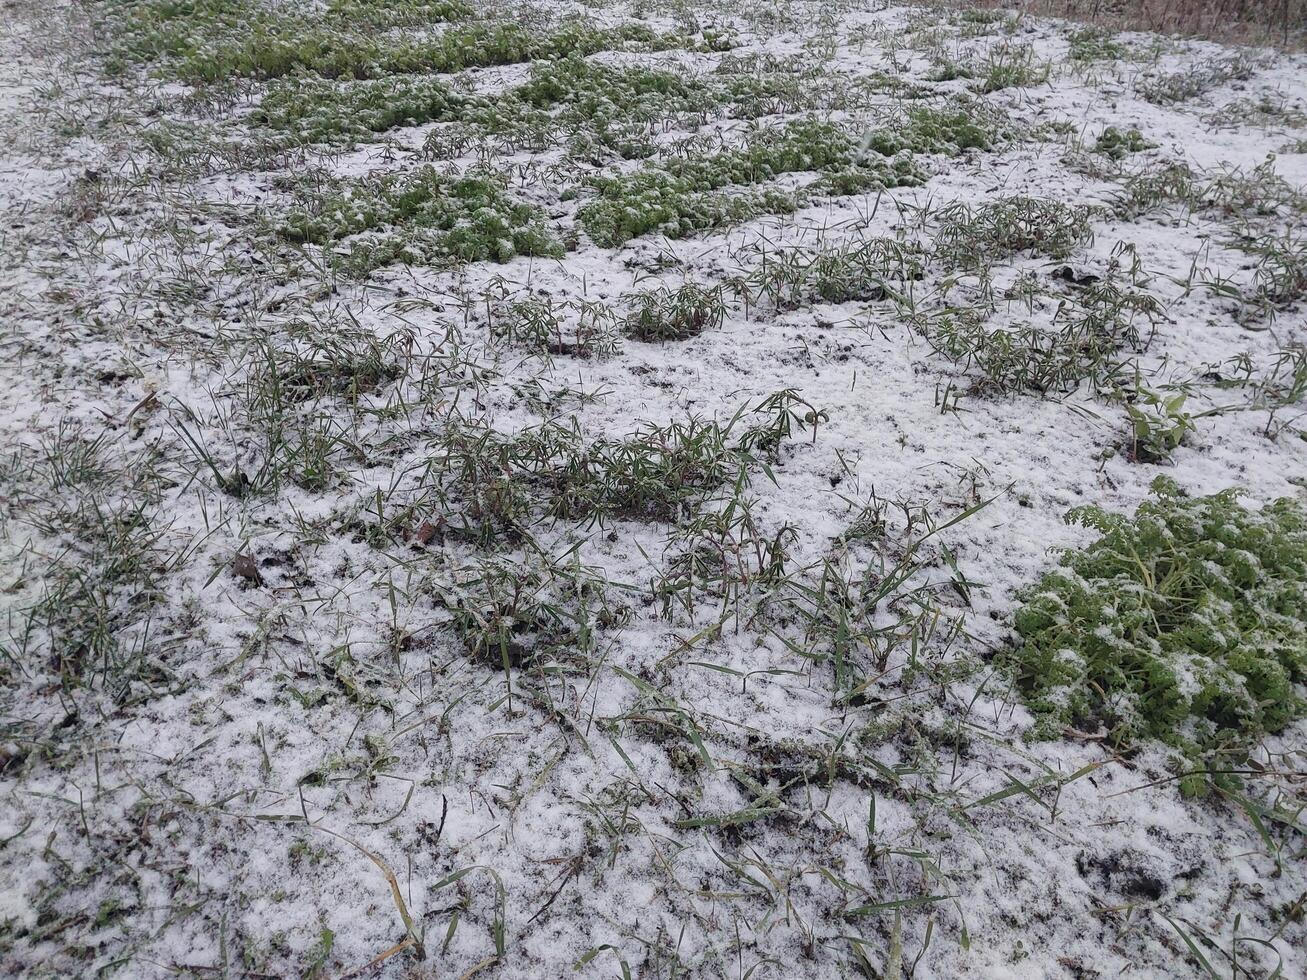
x,y
187,805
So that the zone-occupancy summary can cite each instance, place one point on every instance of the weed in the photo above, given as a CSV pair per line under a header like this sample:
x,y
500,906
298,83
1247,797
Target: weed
x,y
383,14
511,613
320,110
1265,110
950,130
546,327
1008,66
212,40
594,98
968,237
723,556
1118,143
1195,80
1280,275
1089,331
867,269
1090,44
684,195
1184,623
420,217
1282,385
1158,423
675,314
89,617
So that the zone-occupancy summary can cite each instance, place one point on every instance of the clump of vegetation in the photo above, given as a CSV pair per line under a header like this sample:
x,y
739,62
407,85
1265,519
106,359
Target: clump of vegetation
x,y
514,612
596,107
586,95
320,110
1090,44
871,269
1266,110
651,199
503,483
597,89
212,40
1084,344
1009,66
950,130
1280,275
421,216
679,197
398,13
1259,192
968,237
1158,423
1117,143
1186,623
1181,86
675,314
540,324
209,40
88,618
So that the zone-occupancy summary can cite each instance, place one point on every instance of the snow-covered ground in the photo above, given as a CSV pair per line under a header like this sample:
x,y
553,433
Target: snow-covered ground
x,y
247,733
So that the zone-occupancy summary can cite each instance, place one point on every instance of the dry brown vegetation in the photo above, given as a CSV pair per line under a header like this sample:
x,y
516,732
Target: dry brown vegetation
x,y
1248,21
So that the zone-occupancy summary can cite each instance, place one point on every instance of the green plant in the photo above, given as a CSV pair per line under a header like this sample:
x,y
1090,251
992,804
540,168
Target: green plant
x,y
87,618
571,95
1090,44
213,40
1180,86
1259,192
964,124
542,325
675,314
968,237
1117,143
423,216
1158,423
511,613
1092,335
319,110
1280,276
1008,65
871,269
1268,110
684,195
398,13
1186,623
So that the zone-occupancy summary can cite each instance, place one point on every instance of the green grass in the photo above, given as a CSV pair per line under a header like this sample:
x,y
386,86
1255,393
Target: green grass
x,y
1084,343
685,195
213,40
1254,193
543,326
420,217
1008,66
1199,78
562,96
398,13
1091,44
1186,622
675,314
969,237
493,486
871,269
86,621
322,110
949,129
